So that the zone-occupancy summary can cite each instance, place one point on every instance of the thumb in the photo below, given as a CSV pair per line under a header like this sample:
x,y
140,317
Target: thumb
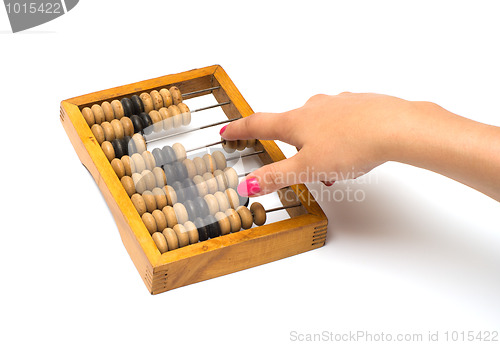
x,y
272,177
265,126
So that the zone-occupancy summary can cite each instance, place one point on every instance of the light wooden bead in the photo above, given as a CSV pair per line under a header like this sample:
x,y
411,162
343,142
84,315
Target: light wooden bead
x,y
190,167
139,182
128,164
166,117
160,241
175,114
221,179
232,196
139,164
170,216
149,222
139,203
182,235
98,113
150,200
108,150
157,100
139,142
209,163
192,232
167,97
157,120
149,179
171,237
181,213
118,167
129,185
117,109
200,165
186,114
180,151
117,128
232,177
88,115
160,177
201,185
98,133
128,126
241,145
160,197
251,143
147,101
149,160
234,219
224,224
170,194
109,133
259,213
213,205
229,145
176,94
109,114
220,160
211,182
222,201
161,221
245,216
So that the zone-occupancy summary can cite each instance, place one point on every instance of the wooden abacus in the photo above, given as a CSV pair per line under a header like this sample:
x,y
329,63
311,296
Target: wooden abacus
x,y
180,219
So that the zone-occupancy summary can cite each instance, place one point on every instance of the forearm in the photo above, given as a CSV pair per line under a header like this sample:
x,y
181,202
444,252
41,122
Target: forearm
x,y
459,148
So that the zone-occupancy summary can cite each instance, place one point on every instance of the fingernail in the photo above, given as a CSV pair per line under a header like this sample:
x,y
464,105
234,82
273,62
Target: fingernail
x,y
223,129
328,183
249,187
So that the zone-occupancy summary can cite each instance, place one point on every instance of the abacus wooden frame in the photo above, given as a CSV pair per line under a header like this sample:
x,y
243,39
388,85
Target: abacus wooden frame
x,y
306,229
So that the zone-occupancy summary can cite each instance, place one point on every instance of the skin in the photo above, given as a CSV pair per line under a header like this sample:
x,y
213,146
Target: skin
x,y
347,135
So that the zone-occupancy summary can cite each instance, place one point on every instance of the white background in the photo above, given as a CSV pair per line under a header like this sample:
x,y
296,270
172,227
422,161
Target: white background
x,y
421,253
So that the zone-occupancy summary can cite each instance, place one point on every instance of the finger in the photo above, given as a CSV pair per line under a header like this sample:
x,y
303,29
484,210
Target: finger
x,y
272,177
265,126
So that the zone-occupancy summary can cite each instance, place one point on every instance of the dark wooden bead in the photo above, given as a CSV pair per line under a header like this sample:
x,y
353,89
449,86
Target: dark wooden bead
x,y
158,156
191,209
137,104
137,122
128,107
129,145
201,206
212,226
118,147
169,154
181,171
147,123
202,230
170,174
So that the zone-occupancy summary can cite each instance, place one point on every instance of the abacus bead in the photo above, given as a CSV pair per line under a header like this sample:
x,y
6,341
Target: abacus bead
x,y
88,115
234,219
213,205
180,151
259,213
128,185
169,154
140,143
209,163
191,169
149,178
98,113
139,203
190,188
166,97
167,120
211,182
137,104
128,108
158,156
182,235
137,122
149,222
181,171
139,182
186,114
245,216
109,114
176,115
119,148
222,201
215,224
117,109
232,196
117,128
159,174
179,191
176,94
98,133
224,224
181,213
170,216
128,164
118,167
147,123
229,145
147,101
221,179
149,160
161,221
232,177
170,174
201,207
157,121
139,164
192,232
160,197
220,160
212,230
109,133
128,126
157,100
171,237
241,145
251,143
199,163
191,209
201,185
160,241
170,194
108,150
202,231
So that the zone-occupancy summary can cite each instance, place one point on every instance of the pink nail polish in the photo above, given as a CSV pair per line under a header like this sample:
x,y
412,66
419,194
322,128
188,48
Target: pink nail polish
x,y
223,129
249,187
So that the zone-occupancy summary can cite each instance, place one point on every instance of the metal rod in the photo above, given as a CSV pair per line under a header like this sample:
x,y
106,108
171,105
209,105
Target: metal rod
x,y
282,207
201,147
211,106
200,91
243,156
